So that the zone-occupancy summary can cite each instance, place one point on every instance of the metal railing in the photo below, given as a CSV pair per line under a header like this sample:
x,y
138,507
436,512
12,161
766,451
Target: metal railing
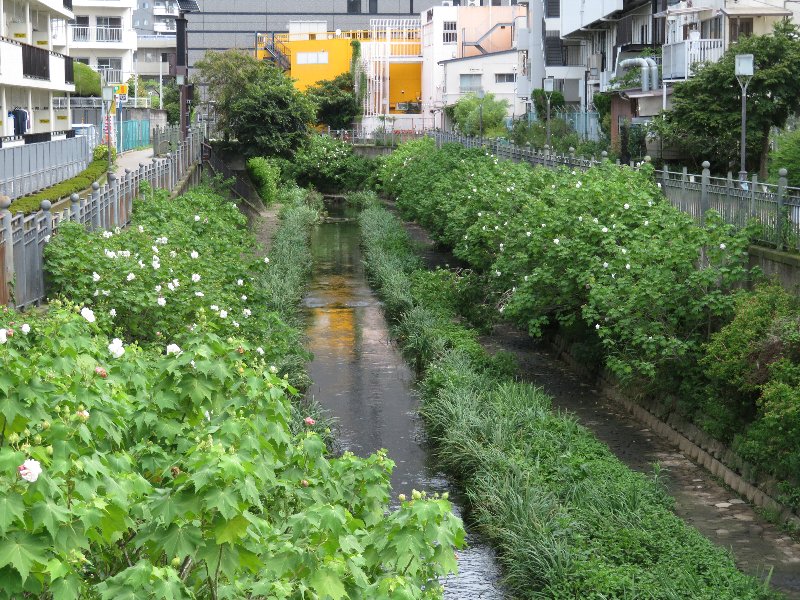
x,y
35,62
775,208
31,167
23,237
377,137
60,102
242,186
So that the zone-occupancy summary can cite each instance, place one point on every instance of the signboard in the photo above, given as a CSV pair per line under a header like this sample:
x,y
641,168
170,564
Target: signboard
x,y
121,89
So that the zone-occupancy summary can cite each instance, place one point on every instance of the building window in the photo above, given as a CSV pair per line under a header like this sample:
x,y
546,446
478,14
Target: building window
x,y
711,29
741,28
373,7
470,82
449,35
354,7
505,77
312,58
552,9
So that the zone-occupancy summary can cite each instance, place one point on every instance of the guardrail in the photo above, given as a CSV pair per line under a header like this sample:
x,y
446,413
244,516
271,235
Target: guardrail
x,y
23,237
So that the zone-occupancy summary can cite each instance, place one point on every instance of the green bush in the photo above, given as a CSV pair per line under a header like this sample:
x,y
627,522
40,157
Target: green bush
x,y
80,183
786,156
100,152
265,175
329,165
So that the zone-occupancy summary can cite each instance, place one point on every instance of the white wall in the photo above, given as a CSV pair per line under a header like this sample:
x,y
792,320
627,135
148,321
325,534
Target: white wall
x,y
580,13
487,66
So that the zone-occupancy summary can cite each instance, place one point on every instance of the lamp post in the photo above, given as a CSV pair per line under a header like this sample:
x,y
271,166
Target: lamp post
x,y
480,95
548,85
744,73
108,98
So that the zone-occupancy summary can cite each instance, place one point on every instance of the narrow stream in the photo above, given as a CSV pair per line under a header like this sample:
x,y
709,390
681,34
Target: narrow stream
x,y
362,380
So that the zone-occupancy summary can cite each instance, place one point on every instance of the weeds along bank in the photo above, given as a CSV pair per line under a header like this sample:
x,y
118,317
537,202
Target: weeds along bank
x,y
147,444
635,283
569,519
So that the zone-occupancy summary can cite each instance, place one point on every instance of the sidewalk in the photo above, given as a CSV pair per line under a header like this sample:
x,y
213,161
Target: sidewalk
x,y
130,160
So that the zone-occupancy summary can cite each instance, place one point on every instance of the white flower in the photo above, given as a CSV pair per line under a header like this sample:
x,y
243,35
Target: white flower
x,y
597,326
659,185
88,314
107,234
96,293
552,187
171,286
156,263
605,230
646,223
116,348
3,336
240,282
95,277
595,220
172,254
244,297
508,189
124,253
161,240
722,246
605,265
260,350
141,229
174,349
223,314
158,288
197,218
628,266
266,260
556,241
626,206
154,249
526,278
199,294
497,273
161,301
623,250
117,230
580,219
141,265
214,307
578,185
483,228
247,312
474,190
235,324
480,214
543,225
195,277
110,253
131,277
194,254
273,369
47,239
113,312
176,283
26,329
649,203
105,292
30,470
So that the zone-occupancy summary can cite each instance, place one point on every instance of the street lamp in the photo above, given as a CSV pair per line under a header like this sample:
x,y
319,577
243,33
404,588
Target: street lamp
x,y
744,73
480,95
548,85
108,98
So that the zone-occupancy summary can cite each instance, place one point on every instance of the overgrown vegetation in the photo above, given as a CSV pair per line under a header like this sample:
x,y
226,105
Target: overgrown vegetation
x,y
335,101
569,519
80,183
265,175
480,116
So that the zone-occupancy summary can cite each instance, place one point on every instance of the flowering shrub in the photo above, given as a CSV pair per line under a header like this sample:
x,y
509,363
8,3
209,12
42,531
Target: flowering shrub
x,y
329,165
601,246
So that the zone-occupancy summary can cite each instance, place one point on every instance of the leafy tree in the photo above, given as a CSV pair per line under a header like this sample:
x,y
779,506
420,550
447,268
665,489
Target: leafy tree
x,y
540,102
786,156
87,80
335,101
256,103
473,115
705,122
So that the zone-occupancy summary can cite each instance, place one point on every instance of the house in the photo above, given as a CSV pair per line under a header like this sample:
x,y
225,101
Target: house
x,y
102,36
35,73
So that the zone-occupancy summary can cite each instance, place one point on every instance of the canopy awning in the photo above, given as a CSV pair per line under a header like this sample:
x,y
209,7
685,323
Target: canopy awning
x,y
755,11
677,11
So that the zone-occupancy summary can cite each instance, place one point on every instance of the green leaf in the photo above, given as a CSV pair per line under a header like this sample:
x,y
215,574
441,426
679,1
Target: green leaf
x,y
230,531
327,583
66,588
49,514
56,569
181,541
22,551
11,507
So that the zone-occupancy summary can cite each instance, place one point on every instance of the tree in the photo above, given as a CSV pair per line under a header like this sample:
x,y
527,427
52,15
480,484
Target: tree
x,y
335,101
705,121
256,103
474,115
87,80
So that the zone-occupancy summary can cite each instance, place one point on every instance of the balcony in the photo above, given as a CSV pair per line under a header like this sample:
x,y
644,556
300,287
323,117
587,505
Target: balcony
x,y
637,30
30,66
166,10
165,27
680,59
111,75
81,34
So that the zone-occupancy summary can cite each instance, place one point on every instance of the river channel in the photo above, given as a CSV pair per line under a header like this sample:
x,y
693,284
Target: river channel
x,y
362,381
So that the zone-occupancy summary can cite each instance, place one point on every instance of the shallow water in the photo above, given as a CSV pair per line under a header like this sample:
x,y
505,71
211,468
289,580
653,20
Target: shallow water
x,y
362,380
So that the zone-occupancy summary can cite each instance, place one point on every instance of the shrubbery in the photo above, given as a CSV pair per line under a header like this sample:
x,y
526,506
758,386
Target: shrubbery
x,y
265,175
82,182
570,520
329,165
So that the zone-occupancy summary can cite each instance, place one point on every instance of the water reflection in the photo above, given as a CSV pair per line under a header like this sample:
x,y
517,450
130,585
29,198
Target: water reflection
x,y
361,379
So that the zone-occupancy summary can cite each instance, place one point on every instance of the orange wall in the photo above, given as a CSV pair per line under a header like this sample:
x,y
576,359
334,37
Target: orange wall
x,y
405,84
339,53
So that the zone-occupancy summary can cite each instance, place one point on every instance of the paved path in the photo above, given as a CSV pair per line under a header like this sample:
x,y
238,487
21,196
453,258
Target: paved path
x,y
130,160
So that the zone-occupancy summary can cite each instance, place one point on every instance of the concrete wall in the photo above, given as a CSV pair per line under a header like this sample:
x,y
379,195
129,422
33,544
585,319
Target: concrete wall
x,y
782,266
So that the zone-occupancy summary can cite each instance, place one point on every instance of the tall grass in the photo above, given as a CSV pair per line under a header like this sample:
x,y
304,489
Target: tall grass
x,y
568,518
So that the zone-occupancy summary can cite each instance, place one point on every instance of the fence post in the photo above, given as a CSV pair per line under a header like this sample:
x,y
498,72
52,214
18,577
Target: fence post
x,y
94,207
781,212
75,205
664,178
753,185
113,185
604,156
46,205
704,192
5,221
168,172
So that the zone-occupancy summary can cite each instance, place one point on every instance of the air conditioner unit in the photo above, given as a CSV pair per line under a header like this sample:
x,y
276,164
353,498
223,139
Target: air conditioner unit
x,y
447,2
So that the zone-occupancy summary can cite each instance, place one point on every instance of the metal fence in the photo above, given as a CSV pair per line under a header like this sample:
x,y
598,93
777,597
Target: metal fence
x,y
775,208
377,137
132,134
23,237
32,167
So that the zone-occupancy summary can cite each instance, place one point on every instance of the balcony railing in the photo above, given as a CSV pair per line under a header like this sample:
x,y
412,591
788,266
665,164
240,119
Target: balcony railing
x,y
69,69
680,59
111,75
35,62
82,33
637,30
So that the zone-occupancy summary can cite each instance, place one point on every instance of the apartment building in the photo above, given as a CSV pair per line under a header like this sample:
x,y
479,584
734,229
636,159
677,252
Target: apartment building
x,y
102,35
35,73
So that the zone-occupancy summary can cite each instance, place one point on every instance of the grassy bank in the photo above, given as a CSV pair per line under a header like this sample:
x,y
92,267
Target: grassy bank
x,y
568,518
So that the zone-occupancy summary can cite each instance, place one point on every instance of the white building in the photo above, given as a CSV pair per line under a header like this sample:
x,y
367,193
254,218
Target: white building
x,y
34,72
102,36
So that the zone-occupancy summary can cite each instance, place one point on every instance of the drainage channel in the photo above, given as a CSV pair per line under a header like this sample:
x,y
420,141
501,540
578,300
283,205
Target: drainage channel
x,y
361,379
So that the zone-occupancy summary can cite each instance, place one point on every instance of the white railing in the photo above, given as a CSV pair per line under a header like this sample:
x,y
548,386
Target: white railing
x,y
680,59
60,103
82,33
111,75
